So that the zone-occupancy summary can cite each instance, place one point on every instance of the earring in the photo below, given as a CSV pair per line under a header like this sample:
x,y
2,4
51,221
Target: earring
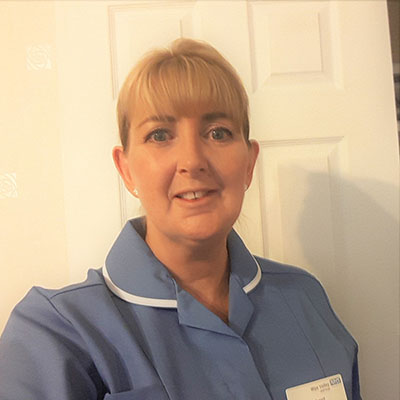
x,y
135,192
245,187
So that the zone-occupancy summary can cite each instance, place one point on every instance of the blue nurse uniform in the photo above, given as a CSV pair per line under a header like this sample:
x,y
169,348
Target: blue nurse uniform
x,y
130,332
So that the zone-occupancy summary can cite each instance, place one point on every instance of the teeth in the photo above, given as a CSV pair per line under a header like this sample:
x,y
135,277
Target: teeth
x,y
193,195
188,196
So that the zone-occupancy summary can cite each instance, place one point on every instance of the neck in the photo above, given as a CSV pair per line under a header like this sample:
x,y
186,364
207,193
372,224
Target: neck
x,y
201,268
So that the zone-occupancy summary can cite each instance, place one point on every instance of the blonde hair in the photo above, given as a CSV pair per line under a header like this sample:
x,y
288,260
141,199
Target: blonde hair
x,y
179,79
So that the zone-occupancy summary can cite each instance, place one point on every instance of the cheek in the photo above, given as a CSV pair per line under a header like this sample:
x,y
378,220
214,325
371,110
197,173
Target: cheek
x,y
152,176
236,170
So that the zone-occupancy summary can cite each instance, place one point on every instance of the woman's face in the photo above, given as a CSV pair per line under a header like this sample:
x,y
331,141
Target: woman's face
x,y
190,173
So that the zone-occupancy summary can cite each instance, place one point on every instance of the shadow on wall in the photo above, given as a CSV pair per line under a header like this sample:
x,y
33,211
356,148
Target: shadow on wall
x,y
357,260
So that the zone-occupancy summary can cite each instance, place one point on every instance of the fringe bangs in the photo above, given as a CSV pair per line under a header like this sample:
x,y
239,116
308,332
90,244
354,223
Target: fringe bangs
x,y
182,86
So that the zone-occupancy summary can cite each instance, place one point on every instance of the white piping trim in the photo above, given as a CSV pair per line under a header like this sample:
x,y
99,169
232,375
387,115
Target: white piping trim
x,y
165,303
251,285
131,298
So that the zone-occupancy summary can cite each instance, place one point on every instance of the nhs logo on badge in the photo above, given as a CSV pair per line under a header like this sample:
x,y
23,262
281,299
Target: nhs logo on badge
x,y
335,381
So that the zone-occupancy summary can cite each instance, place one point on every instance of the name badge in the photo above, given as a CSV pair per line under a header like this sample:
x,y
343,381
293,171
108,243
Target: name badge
x,y
330,388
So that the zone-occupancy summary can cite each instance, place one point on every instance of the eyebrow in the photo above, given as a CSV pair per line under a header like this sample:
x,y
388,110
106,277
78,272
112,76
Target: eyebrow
x,y
208,117
213,116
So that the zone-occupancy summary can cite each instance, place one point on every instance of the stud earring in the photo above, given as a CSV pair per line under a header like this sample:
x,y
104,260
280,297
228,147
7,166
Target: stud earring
x,y
135,192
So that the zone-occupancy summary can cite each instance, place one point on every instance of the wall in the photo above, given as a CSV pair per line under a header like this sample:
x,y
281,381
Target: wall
x,y
32,233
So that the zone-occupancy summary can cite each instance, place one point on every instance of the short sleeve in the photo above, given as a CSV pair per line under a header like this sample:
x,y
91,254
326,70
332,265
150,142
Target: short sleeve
x,y
356,380
42,356
320,300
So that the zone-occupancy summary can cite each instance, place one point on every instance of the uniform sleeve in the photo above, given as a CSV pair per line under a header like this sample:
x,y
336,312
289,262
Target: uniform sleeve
x,y
42,356
356,380
320,300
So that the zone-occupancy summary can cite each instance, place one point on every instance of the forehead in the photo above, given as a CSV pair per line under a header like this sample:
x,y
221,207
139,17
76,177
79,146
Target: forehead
x,y
166,112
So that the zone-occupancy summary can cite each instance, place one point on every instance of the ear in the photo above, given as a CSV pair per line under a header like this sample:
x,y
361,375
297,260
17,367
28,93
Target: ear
x,y
254,149
121,162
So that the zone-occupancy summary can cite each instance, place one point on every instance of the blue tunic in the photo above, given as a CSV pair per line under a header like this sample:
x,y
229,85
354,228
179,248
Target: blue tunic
x,y
130,332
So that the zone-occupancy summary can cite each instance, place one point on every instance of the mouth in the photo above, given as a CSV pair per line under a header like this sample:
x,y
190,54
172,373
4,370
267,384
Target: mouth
x,y
194,195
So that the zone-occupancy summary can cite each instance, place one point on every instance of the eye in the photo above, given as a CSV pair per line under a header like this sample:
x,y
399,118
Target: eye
x,y
220,134
158,135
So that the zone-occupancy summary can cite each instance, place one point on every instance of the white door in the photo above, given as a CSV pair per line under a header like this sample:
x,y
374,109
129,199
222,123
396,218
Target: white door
x,y
323,110
319,78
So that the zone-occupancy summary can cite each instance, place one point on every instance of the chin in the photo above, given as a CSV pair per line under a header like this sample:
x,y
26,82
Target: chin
x,y
206,230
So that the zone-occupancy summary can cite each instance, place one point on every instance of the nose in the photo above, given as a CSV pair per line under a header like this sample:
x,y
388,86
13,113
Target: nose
x,y
192,155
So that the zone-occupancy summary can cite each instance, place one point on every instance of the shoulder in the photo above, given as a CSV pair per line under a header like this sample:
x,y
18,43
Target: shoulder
x,y
284,272
289,278
93,280
51,306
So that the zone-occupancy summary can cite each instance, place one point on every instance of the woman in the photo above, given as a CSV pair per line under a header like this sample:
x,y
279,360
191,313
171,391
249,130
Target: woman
x,y
181,309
